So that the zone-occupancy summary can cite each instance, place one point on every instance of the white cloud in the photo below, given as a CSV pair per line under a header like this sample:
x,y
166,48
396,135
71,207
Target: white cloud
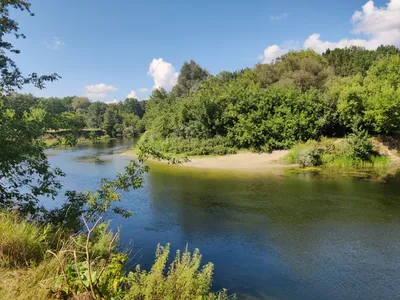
x,y
100,88
163,74
114,101
279,17
132,94
380,26
275,51
143,90
96,95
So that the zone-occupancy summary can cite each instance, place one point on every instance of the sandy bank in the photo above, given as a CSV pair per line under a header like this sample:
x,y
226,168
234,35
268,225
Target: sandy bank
x,y
239,161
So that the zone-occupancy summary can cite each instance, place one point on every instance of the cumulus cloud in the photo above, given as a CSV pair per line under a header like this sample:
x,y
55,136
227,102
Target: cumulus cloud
x,y
163,74
275,51
279,17
99,90
379,25
143,90
132,94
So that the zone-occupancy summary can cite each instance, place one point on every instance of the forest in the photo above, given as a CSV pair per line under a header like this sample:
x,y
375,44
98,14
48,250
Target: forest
x,y
299,97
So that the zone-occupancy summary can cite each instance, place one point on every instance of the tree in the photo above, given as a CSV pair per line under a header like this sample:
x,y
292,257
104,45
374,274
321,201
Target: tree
x,y
55,106
80,104
382,95
21,103
355,60
133,106
112,120
189,79
95,114
25,173
11,77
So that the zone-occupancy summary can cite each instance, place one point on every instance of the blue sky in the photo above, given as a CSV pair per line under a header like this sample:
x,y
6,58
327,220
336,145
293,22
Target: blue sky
x,y
105,49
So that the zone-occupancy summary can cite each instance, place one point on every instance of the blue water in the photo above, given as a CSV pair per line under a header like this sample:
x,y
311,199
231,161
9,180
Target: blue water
x,y
269,236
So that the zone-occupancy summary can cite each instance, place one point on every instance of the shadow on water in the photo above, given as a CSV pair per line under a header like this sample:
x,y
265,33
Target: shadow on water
x,y
285,236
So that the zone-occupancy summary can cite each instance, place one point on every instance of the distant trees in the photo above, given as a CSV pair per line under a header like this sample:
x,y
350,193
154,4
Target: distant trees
x,y
303,70
80,104
95,114
302,95
112,119
356,60
133,106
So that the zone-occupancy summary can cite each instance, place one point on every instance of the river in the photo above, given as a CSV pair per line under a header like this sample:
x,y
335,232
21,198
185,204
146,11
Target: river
x,y
269,236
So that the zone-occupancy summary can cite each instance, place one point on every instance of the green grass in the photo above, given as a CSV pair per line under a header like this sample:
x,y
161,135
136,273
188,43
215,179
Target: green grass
x,y
21,244
347,161
32,269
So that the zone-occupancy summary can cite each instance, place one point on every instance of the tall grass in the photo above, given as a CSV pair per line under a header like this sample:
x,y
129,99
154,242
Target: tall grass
x,y
63,271
21,243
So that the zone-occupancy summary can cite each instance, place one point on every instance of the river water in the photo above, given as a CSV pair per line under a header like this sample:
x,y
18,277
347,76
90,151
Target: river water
x,y
270,236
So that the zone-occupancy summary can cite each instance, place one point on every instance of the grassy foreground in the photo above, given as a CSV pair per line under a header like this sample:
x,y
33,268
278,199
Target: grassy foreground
x,y
39,262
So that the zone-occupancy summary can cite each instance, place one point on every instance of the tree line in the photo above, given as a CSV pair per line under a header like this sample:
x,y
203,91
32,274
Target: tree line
x,y
75,113
302,95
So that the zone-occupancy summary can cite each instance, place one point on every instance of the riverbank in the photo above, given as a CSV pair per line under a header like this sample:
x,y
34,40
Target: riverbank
x,y
241,161
331,156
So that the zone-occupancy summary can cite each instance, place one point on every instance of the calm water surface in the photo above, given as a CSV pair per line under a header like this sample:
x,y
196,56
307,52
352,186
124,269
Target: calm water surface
x,y
269,236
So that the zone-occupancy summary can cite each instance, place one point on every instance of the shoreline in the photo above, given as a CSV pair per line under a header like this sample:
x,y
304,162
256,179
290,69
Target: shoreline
x,y
246,161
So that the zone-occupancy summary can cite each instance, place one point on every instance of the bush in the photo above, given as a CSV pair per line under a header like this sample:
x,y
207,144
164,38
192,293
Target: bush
x,y
184,280
188,147
360,147
356,150
309,157
306,155
21,243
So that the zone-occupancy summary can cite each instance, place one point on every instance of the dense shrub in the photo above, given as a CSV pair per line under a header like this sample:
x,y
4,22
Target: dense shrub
x,y
276,105
359,145
355,150
185,278
21,243
306,155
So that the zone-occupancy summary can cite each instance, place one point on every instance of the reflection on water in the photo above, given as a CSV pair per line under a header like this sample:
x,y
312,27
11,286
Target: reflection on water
x,y
271,237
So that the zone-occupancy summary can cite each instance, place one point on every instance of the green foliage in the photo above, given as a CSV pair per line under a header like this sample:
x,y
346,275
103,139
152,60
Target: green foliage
x,y
95,114
185,279
302,70
190,77
190,147
359,145
80,104
355,150
133,106
356,60
22,244
305,154
11,78
25,173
